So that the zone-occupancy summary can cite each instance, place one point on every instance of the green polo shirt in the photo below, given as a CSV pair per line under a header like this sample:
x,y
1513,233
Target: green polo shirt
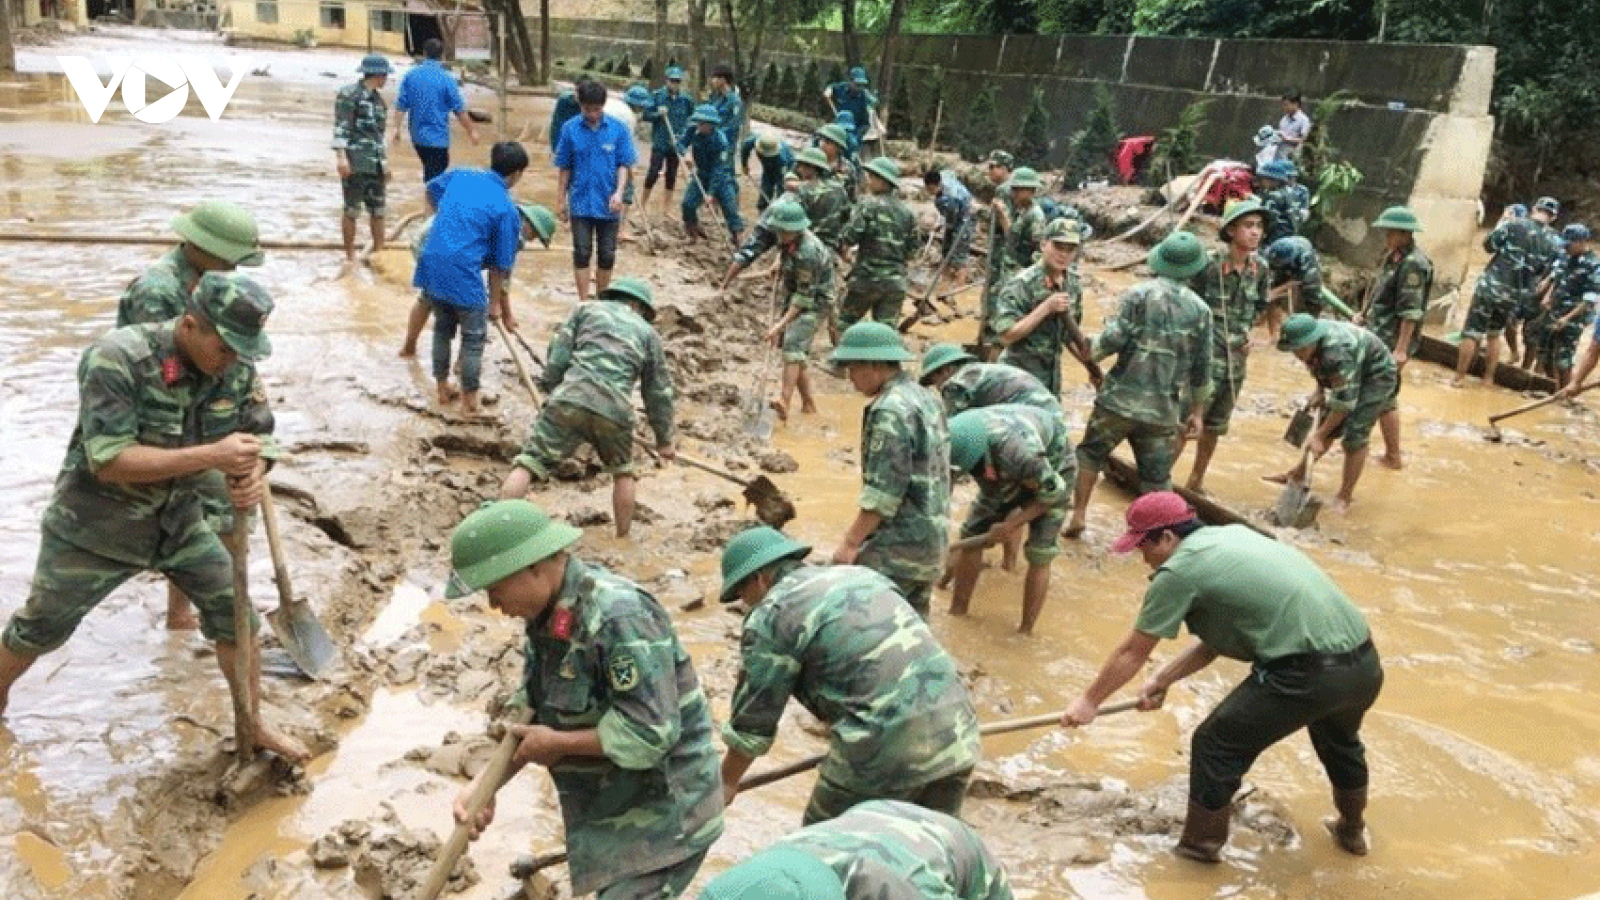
x,y
1250,598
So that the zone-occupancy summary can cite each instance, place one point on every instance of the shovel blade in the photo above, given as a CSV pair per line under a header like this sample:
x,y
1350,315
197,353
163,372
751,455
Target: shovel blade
x,y
1291,501
303,637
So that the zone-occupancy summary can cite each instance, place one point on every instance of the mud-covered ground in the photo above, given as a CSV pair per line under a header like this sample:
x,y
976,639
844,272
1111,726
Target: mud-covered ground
x,y
114,748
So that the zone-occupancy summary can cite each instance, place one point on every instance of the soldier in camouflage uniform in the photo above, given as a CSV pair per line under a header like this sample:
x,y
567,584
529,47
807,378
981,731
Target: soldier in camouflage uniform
x,y
842,641
1024,464
1295,268
806,289
835,145
1357,381
1038,309
1236,285
819,194
217,236
619,718
595,359
903,520
359,118
1161,384
879,850
161,408
883,232
1399,301
998,171
1520,261
964,383
1287,204
1569,302
1548,250
1024,221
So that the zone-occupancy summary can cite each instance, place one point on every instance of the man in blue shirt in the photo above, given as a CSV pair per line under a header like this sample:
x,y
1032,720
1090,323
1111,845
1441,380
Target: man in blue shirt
x,y
429,94
710,166
566,108
775,159
595,155
855,99
668,118
477,227
729,105
954,203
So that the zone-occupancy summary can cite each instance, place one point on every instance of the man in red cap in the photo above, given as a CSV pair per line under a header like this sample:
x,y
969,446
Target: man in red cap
x,y
1247,597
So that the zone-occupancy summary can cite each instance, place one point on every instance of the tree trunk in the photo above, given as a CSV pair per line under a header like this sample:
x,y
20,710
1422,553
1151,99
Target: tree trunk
x,y
659,51
8,52
544,41
847,18
697,43
891,32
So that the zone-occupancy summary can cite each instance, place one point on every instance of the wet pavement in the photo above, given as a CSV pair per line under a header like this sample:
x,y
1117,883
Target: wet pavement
x,y
1471,566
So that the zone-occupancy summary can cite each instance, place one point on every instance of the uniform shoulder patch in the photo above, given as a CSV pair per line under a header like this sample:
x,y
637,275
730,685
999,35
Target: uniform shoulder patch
x,y
623,672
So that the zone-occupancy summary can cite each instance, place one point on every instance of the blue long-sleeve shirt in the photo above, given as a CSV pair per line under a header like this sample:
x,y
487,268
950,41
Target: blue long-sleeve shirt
x,y
477,227
680,107
711,157
773,168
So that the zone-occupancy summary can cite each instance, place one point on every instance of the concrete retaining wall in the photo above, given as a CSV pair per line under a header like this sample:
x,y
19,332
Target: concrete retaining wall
x,y
1420,131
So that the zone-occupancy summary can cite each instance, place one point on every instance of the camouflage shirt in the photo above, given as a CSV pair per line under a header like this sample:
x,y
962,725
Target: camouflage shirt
x,y
1031,454
762,238
890,850
1022,238
884,233
598,355
1161,336
905,473
1523,254
161,292
977,385
135,388
1575,283
359,117
1300,264
827,205
1237,298
1286,210
807,275
1039,352
604,656
843,642
1403,286
1348,356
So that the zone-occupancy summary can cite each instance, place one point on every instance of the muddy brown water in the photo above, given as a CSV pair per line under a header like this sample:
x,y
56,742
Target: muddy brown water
x,y
1472,565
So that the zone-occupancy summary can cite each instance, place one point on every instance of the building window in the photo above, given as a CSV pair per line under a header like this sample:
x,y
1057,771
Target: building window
x,y
389,20
267,12
333,15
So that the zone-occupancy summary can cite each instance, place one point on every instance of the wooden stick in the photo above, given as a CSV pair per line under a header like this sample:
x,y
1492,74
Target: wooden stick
x,y
1529,407
488,782
938,113
522,370
244,642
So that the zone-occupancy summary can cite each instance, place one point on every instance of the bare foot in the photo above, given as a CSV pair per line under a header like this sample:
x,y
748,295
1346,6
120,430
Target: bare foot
x,y
779,408
1457,381
182,620
1340,505
1196,487
270,739
945,578
1278,478
1391,462
409,351
448,395
1073,531
808,409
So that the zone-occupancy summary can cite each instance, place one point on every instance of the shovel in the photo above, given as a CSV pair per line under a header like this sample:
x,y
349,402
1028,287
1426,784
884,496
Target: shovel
x,y
772,507
1493,434
1296,508
527,867
493,774
295,624
516,358
244,644
758,414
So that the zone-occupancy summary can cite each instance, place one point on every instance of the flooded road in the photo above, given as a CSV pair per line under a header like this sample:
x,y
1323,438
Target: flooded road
x,y
1472,566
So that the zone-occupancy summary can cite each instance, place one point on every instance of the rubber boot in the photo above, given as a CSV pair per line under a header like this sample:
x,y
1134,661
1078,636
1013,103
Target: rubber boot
x,y
1349,830
1205,832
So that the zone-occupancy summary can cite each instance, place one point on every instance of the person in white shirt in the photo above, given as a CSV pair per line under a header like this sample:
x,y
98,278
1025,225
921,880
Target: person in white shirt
x,y
1292,128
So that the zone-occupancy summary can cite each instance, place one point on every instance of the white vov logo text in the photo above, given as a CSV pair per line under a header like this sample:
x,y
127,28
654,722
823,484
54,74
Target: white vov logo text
x,y
179,73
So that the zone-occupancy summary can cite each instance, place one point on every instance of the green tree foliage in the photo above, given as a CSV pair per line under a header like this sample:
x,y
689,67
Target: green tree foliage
x,y
811,91
1089,149
901,114
789,89
978,132
624,67
647,72
590,63
1174,152
1033,144
769,85
931,110
1330,177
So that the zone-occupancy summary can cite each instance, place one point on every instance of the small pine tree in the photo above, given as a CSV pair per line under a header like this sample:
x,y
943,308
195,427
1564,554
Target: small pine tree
x,y
811,91
624,68
647,72
1174,152
788,89
589,64
835,74
1089,150
607,67
1033,144
931,111
769,85
977,133
900,111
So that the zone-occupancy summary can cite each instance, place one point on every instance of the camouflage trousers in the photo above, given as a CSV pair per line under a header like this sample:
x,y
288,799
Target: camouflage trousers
x,y
562,427
1378,396
367,190
1043,544
829,799
69,581
662,884
799,336
1493,306
1154,447
882,300
1225,384
1561,345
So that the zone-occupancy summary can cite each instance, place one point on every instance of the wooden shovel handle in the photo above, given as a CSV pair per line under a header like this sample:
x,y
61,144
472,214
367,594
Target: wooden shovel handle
x,y
280,569
244,642
489,782
516,358
1529,407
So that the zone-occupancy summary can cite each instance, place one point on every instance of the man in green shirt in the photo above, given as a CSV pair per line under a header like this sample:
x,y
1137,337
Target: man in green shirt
x,y
806,280
1039,307
883,231
1253,599
844,643
619,718
360,153
880,850
901,527
1399,302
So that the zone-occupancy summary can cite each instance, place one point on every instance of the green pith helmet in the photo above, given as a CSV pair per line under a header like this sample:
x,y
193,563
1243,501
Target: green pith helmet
x,y
752,550
885,168
767,146
1063,231
870,342
811,156
777,873
1178,256
1299,330
969,440
499,540
541,220
940,355
633,290
374,64
237,307
1398,218
1238,209
1001,158
222,229
1025,178
705,112
833,132
788,215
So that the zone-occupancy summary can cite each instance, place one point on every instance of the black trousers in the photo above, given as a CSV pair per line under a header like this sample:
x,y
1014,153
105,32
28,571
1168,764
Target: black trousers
x,y
1274,702
434,161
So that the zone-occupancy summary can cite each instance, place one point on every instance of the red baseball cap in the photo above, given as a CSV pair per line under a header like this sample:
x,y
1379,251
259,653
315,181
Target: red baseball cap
x,y
1155,510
